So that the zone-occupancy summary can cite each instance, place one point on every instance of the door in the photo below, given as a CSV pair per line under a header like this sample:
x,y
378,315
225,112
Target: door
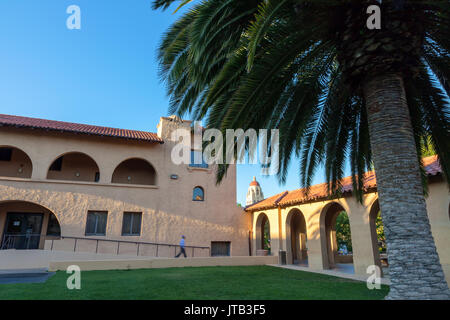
x,y
22,231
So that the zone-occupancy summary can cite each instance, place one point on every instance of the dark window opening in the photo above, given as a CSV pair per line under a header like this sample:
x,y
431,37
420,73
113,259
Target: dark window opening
x,y
96,223
220,248
5,154
131,225
57,164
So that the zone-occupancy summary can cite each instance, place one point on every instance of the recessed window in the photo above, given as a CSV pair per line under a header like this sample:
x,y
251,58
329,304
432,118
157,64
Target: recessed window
x,y
198,194
220,248
5,154
197,160
131,225
96,223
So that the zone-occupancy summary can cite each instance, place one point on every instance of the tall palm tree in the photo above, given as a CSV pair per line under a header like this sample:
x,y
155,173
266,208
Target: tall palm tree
x,y
337,91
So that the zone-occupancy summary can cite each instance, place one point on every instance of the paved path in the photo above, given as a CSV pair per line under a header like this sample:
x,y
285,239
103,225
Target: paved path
x,y
24,276
334,273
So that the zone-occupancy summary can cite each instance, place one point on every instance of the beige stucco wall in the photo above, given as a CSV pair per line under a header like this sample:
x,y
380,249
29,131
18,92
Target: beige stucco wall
x,y
129,264
438,211
167,207
359,217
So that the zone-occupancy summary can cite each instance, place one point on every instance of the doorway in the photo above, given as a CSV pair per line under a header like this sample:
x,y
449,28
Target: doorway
x,y
22,230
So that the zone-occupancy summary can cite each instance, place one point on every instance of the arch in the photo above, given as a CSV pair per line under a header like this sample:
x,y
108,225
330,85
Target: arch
x,y
262,232
74,166
15,163
134,171
26,225
330,250
378,245
198,194
296,237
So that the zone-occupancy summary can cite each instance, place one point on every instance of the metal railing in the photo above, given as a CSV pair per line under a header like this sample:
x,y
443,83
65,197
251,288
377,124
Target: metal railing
x,y
139,244
20,241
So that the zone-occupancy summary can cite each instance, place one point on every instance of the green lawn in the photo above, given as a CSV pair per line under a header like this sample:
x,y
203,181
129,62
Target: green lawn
x,y
227,283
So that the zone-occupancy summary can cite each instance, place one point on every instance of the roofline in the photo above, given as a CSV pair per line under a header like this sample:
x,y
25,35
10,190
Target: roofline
x,y
72,131
276,203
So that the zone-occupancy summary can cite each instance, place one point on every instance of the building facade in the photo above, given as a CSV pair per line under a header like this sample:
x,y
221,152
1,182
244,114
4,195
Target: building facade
x,y
304,225
66,186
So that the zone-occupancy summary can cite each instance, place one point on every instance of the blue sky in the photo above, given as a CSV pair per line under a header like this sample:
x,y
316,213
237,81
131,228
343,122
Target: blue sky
x,y
104,74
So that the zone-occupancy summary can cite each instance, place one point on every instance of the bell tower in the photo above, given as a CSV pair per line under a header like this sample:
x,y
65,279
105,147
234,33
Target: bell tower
x,y
254,193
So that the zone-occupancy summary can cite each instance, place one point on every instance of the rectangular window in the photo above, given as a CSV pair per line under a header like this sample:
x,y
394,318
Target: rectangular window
x,y
197,159
220,248
131,225
96,223
5,154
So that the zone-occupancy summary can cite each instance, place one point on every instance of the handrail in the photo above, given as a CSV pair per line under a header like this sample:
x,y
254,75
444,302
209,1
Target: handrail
x,y
138,243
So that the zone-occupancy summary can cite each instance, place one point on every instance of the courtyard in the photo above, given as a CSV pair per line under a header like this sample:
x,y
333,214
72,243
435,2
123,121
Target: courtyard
x,y
196,283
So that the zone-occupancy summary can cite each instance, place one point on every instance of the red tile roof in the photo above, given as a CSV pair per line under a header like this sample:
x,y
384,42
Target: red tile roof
x,y
50,125
320,191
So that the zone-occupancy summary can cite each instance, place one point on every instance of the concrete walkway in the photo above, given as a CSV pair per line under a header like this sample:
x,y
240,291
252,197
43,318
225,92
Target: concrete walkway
x,y
24,276
334,273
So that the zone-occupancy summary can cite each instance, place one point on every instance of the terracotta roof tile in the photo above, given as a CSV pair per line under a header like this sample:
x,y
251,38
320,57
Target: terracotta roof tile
x,y
319,191
51,125
268,202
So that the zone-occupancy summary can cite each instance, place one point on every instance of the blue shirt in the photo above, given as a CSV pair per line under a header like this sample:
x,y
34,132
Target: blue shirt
x,y
182,243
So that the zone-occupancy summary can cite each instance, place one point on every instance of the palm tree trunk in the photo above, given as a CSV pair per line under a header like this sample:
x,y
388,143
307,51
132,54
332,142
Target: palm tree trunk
x,y
414,266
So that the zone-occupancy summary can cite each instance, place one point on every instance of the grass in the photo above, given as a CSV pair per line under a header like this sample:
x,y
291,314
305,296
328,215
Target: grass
x,y
217,283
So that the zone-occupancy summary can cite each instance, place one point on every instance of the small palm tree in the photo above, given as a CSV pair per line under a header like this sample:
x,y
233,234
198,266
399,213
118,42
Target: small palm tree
x,y
337,91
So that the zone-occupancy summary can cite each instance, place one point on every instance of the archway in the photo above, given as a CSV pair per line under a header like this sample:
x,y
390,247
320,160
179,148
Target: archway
x,y
296,238
337,251
134,171
262,234
74,166
14,163
378,237
26,225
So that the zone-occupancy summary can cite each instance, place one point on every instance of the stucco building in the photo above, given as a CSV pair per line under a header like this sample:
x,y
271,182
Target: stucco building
x,y
66,186
304,225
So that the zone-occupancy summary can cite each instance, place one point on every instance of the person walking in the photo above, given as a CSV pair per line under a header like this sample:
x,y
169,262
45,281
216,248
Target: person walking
x,y
182,251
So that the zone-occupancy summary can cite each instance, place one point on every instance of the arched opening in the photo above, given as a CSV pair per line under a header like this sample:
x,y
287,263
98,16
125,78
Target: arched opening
x,y
26,225
198,194
378,238
14,163
337,249
296,238
262,235
74,166
135,171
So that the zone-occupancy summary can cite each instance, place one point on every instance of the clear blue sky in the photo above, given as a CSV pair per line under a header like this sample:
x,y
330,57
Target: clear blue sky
x,y
104,74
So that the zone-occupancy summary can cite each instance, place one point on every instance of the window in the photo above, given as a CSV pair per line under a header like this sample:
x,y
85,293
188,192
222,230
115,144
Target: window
x,y
131,225
197,160
5,154
220,248
96,223
198,194
56,165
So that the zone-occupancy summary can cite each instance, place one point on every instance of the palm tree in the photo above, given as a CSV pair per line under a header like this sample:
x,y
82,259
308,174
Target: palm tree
x,y
337,91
